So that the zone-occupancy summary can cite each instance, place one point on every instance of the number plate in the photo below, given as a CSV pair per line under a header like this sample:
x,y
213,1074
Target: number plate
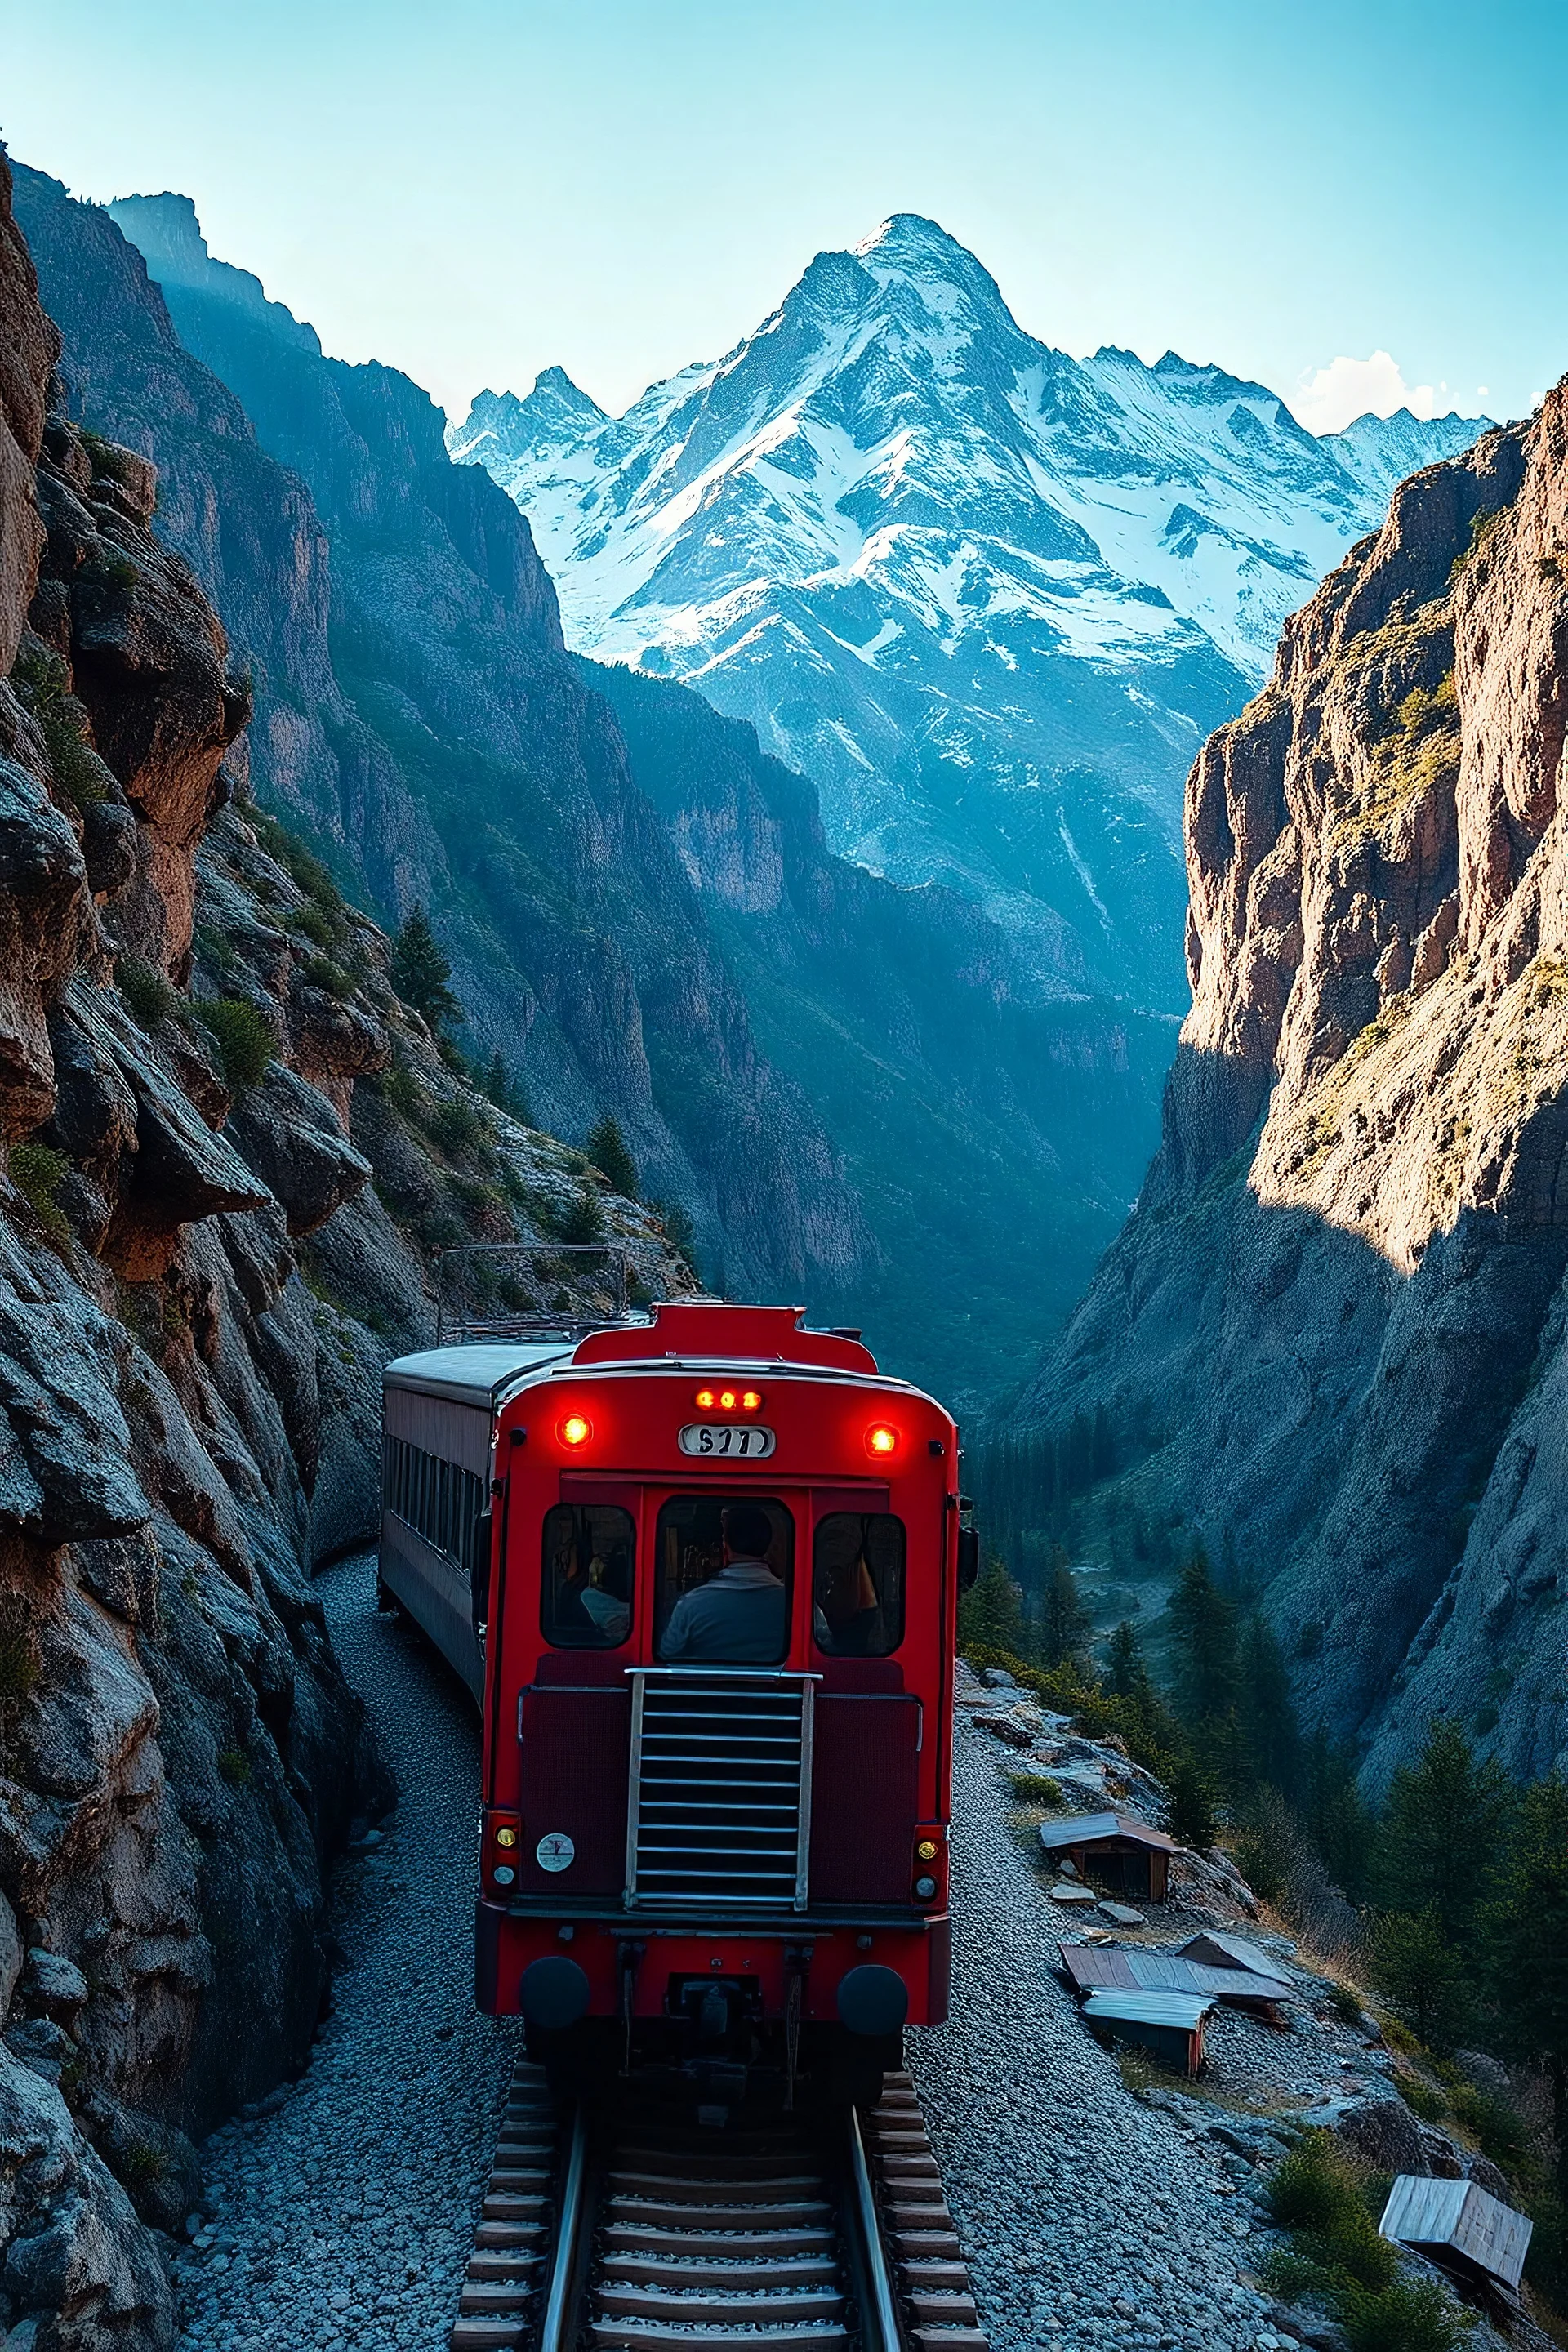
x,y
727,1440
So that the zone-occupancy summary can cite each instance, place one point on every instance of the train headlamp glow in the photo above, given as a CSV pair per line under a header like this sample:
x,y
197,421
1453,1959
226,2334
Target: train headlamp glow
x,y
575,1430
881,1439
705,1400
926,1850
752,1401
508,1838
729,1400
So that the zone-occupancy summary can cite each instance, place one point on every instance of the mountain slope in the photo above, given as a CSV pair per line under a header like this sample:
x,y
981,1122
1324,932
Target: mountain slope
x,y
825,1068
1331,1337
986,1126
415,711
989,597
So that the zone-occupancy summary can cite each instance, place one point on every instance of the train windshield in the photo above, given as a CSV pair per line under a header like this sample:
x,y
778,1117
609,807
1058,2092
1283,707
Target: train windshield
x,y
858,1584
586,1591
726,1569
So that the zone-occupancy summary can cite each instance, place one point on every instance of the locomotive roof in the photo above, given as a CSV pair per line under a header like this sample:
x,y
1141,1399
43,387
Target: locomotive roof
x,y
476,1373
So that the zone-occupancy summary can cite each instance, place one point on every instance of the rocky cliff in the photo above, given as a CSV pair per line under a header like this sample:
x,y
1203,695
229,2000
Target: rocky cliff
x,y
229,1152
417,715
1331,1336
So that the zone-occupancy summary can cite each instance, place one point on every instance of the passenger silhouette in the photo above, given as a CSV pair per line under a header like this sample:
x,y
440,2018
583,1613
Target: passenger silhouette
x,y
739,1617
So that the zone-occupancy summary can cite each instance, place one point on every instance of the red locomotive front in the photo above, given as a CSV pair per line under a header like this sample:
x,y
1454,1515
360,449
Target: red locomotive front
x,y
717,1703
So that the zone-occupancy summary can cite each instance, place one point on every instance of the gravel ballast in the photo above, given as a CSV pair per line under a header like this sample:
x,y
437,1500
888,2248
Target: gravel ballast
x,y
1088,2219
345,2216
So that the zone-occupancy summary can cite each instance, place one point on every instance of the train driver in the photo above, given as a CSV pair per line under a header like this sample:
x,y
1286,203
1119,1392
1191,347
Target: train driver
x,y
738,1617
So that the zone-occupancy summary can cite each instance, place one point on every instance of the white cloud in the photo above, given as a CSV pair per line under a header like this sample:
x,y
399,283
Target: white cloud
x,y
1347,388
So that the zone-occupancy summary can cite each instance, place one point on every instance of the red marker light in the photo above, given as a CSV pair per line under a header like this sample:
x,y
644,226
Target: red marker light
x,y
727,1399
752,1401
575,1430
705,1400
882,1440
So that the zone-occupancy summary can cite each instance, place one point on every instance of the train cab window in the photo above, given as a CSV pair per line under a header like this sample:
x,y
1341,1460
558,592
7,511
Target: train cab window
x,y
858,1584
586,1591
725,1571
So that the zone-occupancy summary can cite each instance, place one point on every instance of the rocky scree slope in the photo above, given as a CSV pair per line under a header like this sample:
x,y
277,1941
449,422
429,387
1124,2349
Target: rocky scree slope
x,y
1331,1336
199,1282
989,597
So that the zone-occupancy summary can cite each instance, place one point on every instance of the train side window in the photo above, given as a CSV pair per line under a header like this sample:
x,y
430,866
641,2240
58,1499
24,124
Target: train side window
x,y
858,1584
725,1569
585,1589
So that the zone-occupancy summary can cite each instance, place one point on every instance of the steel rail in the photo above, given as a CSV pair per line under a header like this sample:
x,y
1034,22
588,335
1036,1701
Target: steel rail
x,y
560,2310
879,2330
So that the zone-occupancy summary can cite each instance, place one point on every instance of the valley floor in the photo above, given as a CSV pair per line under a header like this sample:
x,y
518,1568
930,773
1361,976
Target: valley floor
x,y
344,2217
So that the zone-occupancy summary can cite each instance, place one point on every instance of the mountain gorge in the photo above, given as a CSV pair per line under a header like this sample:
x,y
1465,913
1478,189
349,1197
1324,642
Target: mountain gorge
x,y
1330,1338
229,1147
750,1014
990,598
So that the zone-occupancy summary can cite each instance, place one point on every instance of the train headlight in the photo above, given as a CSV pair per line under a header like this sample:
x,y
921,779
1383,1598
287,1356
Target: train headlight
x,y
575,1430
927,1850
924,1887
752,1401
705,1400
508,1837
728,1400
881,1439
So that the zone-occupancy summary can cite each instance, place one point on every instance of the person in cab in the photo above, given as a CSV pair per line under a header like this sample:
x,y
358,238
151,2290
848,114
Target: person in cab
x,y
738,1617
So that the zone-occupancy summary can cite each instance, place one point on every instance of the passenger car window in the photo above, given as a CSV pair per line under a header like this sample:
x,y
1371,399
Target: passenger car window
x,y
725,1571
858,1584
587,1587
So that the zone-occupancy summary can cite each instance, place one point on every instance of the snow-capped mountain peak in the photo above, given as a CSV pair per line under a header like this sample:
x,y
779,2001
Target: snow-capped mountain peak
x,y
989,596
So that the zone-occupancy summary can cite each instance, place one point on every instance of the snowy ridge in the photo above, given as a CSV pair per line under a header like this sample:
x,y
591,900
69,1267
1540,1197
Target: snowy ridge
x,y
989,597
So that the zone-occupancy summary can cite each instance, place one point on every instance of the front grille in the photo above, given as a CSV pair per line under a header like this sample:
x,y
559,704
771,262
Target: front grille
x,y
718,1808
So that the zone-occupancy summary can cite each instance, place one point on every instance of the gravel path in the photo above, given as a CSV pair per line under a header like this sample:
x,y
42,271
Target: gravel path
x,y
1088,2219
344,2217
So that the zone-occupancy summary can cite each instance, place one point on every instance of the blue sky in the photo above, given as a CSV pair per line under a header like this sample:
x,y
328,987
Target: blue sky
x,y
474,193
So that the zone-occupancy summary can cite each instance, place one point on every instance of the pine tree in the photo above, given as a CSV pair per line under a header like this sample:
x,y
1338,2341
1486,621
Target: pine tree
x,y
1192,1804
421,974
1126,1676
1525,1938
1208,1667
606,1147
990,1613
1416,1964
1443,1830
1270,1732
1065,1623
504,1090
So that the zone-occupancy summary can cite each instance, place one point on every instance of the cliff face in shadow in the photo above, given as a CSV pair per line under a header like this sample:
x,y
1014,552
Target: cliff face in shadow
x,y
229,1152
1331,1336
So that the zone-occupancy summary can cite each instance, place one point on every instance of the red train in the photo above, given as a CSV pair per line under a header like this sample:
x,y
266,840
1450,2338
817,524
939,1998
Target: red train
x,y
700,1571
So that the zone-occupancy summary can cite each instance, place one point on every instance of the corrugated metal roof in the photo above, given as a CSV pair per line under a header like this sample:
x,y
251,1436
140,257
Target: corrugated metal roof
x,y
1461,2217
475,1374
1096,1965
1092,1829
1219,1951
1186,2011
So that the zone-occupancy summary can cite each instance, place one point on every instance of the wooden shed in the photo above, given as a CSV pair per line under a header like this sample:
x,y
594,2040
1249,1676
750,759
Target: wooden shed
x,y
1168,2025
1120,1854
1094,1967
1459,2225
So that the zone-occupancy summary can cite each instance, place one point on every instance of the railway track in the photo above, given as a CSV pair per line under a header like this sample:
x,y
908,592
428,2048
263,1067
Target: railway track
x,y
630,2231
